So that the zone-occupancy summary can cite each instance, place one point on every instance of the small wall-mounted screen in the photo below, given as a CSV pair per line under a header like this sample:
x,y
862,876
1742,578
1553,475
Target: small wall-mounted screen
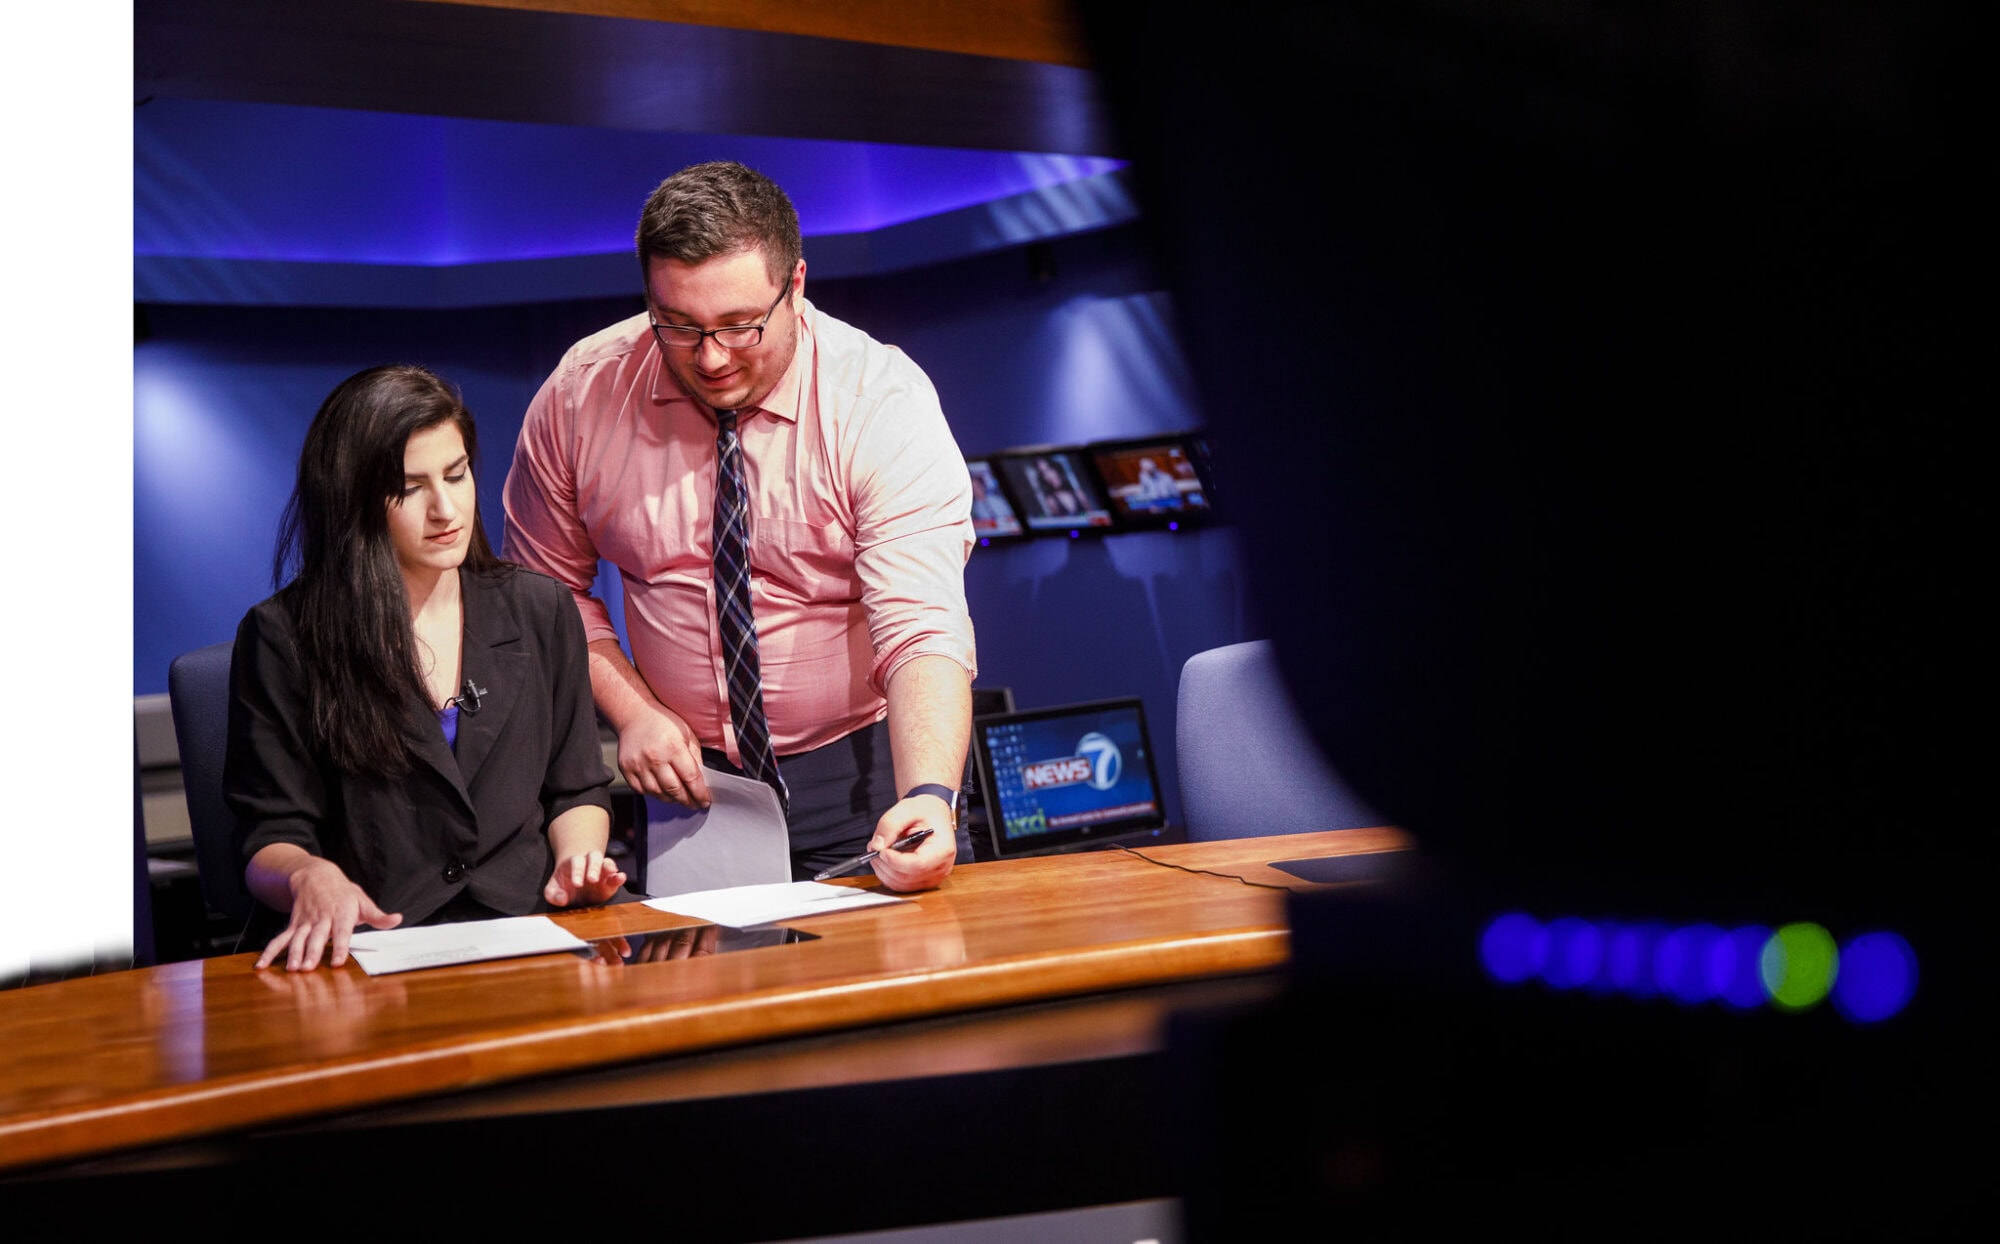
x,y
1055,489
1154,482
993,515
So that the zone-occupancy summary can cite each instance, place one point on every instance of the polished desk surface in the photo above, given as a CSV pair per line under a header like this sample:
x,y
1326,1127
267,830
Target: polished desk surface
x,y
101,1064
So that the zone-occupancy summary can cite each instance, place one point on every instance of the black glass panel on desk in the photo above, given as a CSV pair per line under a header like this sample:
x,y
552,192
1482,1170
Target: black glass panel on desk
x,y
1334,869
692,942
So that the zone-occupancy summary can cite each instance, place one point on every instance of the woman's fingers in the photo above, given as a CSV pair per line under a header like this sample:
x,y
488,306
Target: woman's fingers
x,y
275,946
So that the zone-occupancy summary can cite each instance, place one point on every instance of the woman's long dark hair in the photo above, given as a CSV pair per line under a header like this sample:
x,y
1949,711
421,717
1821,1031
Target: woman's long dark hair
x,y
346,598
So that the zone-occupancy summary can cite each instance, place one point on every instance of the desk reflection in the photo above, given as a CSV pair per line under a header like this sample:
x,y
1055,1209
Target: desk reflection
x,y
694,942
337,1009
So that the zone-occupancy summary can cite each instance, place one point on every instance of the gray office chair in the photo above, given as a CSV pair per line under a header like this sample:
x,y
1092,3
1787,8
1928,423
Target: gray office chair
x,y
1247,765
198,690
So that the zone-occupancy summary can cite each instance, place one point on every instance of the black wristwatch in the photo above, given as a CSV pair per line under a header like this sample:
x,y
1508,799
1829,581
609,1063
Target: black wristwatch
x,y
946,793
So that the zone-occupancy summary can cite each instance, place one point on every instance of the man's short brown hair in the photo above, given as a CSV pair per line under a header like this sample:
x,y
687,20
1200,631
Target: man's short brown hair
x,y
720,208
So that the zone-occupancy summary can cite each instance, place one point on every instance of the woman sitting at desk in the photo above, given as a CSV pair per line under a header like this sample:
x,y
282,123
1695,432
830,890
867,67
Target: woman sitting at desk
x,y
411,736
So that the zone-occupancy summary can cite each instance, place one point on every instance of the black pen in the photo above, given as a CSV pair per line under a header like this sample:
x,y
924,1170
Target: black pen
x,y
908,842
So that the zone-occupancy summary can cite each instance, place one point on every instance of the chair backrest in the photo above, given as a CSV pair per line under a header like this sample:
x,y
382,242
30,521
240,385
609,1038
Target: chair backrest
x,y
198,689
1247,764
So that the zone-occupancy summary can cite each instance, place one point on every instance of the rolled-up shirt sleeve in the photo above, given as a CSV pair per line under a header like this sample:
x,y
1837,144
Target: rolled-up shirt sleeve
x,y
271,781
544,531
912,498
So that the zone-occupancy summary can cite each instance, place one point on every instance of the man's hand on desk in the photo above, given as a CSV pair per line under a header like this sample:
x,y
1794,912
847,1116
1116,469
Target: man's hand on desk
x,y
930,862
325,907
660,756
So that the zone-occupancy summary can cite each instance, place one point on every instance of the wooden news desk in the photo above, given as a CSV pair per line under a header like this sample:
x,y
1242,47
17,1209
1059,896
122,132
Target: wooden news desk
x,y
1040,961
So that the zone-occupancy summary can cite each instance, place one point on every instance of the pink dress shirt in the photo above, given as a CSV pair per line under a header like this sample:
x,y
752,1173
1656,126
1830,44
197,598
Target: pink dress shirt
x,y
860,523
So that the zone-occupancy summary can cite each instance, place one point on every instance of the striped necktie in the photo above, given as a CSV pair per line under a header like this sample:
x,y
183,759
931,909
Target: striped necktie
x,y
732,607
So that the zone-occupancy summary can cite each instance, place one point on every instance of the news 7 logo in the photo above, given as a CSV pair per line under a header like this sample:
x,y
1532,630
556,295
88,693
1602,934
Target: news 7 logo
x,y
1097,761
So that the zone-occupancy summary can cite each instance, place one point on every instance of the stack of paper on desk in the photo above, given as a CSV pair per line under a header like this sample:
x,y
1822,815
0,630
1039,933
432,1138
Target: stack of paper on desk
x,y
382,951
725,863
743,906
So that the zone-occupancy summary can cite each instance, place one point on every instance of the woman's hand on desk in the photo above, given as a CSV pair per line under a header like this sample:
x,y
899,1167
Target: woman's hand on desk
x,y
584,879
325,908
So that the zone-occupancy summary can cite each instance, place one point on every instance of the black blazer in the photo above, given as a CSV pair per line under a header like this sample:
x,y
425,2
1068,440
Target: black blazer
x,y
475,822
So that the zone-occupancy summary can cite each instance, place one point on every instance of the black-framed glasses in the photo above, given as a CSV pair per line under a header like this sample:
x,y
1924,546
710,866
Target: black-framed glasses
x,y
734,337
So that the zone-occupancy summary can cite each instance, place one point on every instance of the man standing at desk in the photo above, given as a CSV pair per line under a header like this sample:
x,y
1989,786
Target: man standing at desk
x,y
790,518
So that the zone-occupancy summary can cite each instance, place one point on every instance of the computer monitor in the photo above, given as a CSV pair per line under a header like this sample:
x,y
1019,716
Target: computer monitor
x,y
993,514
1067,777
1055,488
1155,482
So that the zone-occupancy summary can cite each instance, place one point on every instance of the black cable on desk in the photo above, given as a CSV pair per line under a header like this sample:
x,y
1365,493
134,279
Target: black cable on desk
x,y
1203,872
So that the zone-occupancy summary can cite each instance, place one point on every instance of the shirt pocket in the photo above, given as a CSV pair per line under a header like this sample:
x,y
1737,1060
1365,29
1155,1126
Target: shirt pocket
x,y
804,561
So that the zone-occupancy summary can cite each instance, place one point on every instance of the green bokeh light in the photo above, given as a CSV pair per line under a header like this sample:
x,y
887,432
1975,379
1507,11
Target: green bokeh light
x,y
1799,965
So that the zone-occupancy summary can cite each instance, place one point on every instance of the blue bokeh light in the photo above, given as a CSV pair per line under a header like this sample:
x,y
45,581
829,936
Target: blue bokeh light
x,y
1680,963
1697,963
1575,953
1878,977
1511,949
1735,971
1628,959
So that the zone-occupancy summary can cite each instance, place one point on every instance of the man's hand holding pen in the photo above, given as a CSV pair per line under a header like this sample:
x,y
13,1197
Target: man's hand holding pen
x,y
922,866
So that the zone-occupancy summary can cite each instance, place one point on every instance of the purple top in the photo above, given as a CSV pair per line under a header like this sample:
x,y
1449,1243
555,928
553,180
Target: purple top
x,y
448,718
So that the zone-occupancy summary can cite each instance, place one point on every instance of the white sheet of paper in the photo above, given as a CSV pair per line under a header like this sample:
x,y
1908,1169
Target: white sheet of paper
x,y
382,951
739,839
743,906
